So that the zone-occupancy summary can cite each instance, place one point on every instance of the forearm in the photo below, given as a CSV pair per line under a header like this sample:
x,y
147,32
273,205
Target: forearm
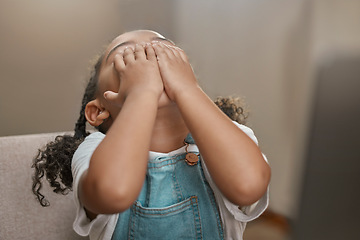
x,y
234,161
118,166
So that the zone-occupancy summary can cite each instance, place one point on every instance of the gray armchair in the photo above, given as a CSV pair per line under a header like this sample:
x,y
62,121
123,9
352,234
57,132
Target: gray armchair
x,y
21,215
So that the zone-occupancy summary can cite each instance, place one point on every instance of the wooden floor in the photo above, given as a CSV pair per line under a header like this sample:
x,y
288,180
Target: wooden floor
x,y
269,226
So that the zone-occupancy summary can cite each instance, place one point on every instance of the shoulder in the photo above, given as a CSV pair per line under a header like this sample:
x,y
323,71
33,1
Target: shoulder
x,y
247,130
85,150
94,137
89,143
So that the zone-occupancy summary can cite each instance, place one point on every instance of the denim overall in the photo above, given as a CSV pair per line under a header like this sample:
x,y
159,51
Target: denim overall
x,y
176,202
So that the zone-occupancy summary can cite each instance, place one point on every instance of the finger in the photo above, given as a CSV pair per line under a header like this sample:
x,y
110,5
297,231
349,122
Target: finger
x,y
110,96
128,55
174,50
160,50
150,52
167,50
119,62
139,52
181,53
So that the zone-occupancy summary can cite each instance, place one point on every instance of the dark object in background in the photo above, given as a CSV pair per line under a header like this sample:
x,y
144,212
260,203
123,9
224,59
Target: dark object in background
x,y
330,200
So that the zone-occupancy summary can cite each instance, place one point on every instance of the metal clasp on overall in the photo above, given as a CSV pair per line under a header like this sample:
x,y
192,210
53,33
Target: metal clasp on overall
x,y
191,158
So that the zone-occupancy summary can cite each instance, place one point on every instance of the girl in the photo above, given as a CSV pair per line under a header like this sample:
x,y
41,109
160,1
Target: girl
x,y
148,177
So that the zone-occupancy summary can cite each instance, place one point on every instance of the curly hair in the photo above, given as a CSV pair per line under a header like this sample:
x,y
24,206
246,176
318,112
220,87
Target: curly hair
x,y
54,160
233,107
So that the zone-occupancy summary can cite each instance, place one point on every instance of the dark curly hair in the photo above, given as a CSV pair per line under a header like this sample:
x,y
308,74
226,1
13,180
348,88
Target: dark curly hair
x,y
233,107
54,160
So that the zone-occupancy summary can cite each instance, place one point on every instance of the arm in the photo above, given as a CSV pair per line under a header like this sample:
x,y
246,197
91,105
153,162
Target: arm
x,y
118,165
234,161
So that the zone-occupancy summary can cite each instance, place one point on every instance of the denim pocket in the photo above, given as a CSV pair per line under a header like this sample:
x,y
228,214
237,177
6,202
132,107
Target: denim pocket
x,y
178,221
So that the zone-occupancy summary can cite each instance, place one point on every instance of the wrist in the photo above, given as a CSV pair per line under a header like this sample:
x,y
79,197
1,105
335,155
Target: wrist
x,y
143,95
187,93
143,90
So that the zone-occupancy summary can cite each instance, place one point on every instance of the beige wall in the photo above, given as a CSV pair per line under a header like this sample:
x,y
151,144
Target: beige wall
x,y
256,49
267,51
46,48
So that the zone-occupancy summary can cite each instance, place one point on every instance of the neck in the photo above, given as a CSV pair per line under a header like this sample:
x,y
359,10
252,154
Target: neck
x,y
169,130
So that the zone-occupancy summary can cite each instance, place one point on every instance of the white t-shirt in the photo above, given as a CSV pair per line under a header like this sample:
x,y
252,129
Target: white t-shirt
x,y
102,227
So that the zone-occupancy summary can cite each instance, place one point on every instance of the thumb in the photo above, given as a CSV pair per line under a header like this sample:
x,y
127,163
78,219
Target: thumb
x,y
111,96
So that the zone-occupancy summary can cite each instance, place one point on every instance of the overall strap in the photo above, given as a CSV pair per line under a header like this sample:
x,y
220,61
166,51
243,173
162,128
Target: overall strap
x,y
189,139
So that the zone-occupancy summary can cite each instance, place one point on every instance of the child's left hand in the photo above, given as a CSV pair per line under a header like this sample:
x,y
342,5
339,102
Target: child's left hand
x,y
176,71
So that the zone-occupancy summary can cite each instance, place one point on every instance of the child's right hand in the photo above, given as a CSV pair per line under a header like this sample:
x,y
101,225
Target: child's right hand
x,y
138,72
176,71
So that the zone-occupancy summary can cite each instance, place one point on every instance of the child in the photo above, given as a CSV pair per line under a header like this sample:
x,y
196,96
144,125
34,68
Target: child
x,y
148,177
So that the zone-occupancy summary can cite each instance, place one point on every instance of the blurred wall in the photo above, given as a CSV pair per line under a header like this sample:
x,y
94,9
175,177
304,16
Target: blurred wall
x,y
46,52
266,51
259,50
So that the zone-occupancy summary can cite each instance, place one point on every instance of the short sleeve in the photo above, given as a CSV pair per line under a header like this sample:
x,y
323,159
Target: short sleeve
x,y
249,213
235,218
101,226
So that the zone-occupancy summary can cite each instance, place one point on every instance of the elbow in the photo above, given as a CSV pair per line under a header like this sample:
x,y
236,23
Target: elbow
x,y
118,199
250,191
247,195
104,197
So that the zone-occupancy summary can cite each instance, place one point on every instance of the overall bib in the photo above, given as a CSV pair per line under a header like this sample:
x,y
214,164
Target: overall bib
x,y
176,202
